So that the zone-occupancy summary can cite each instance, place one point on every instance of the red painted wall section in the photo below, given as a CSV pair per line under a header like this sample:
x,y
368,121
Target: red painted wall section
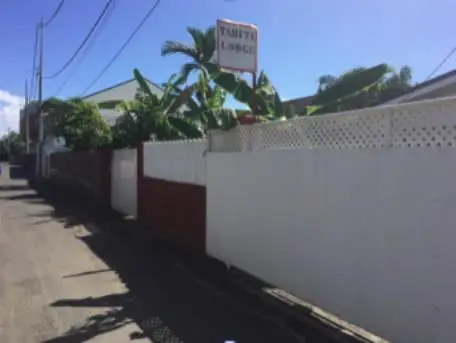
x,y
85,172
174,210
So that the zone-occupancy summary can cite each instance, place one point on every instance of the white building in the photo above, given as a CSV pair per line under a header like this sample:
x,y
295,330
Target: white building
x,y
125,91
438,87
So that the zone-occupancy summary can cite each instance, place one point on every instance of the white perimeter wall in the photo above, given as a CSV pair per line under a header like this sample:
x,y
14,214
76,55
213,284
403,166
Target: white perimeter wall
x,y
371,237
366,233
178,161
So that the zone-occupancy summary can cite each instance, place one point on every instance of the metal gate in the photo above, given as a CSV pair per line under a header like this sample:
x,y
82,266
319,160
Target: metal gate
x,y
124,181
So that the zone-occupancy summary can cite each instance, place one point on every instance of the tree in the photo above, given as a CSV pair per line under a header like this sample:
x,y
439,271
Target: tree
x,y
151,116
12,143
206,108
264,100
200,52
396,84
78,122
326,81
390,85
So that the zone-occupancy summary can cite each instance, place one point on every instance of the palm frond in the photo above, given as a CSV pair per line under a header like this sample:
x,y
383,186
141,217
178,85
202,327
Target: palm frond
x,y
172,47
198,40
208,47
187,68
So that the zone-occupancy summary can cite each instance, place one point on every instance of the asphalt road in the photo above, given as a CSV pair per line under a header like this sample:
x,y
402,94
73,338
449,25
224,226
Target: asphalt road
x,y
64,281
41,264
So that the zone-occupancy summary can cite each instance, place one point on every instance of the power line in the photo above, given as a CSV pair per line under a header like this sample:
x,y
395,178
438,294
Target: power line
x,y
35,49
122,48
92,30
57,10
89,45
447,57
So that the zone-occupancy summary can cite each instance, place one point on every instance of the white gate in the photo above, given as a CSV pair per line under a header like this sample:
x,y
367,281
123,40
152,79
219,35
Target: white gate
x,y
124,181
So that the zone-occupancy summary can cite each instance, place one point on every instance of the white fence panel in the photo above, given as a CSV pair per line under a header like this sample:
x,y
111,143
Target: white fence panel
x,y
365,231
124,181
430,123
178,161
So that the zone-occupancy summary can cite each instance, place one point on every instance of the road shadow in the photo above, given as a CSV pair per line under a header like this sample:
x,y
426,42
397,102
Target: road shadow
x,y
70,210
92,272
167,300
14,187
95,325
27,197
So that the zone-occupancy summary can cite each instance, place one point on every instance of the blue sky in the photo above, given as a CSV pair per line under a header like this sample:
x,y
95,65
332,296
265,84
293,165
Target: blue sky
x,y
299,40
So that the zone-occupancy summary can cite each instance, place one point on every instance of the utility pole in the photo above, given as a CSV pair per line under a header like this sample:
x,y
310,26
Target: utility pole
x,y
40,98
27,121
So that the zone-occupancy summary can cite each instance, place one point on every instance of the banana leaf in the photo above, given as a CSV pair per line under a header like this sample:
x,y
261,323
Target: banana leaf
x,y
351,84
143,84
228,118
188,128
211,118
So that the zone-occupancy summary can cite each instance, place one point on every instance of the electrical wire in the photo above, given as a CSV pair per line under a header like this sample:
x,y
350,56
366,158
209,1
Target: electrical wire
x,y
122,48
35,50
92,30
88,47
447,57
57,10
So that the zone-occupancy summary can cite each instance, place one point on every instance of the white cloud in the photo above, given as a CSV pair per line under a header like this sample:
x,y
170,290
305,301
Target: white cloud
x,y
10,106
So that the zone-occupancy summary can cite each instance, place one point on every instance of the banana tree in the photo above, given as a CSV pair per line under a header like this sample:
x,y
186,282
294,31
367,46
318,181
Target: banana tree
x,y
348,87
201,53
206,106
153,117
265,100
78,122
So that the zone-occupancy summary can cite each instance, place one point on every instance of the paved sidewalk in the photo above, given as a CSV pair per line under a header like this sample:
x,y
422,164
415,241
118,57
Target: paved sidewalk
x,y
63,280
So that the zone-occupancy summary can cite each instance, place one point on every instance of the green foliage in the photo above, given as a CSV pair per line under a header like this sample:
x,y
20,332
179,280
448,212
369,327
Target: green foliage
x,y
194,110
350,83
12,143
201,52
265,100
206,107
364,88
79,123
151,116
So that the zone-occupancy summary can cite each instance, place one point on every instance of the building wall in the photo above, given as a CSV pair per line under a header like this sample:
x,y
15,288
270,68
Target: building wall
x,y
448,90
124,91
33,121
443,86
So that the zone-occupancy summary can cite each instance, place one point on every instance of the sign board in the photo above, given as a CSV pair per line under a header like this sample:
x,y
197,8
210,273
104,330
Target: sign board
x,y
237,46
